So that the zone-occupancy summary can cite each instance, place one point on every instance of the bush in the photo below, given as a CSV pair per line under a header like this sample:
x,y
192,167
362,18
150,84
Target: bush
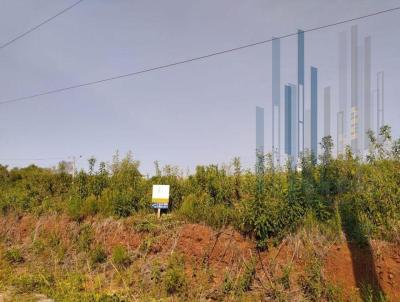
x,y
315,287
247,278
145,225
199,208
85,238
228,284
266,206
120,256
110,298
90,206
97,255
14,256
175,279
28,283
312,282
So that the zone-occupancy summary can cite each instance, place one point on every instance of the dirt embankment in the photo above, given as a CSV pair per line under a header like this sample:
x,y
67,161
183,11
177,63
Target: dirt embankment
x,y
345,264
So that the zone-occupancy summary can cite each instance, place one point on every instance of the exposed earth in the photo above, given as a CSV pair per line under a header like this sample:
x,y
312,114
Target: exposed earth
x,y
224,252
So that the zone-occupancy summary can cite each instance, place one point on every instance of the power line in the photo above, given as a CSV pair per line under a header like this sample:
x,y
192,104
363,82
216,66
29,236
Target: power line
x,y
39,25
35,159
19,99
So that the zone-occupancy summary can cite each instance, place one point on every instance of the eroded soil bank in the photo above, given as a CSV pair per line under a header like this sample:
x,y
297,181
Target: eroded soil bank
x,y
215,263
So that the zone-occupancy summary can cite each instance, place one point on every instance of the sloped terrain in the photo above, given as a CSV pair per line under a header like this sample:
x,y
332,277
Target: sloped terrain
x,y
141,258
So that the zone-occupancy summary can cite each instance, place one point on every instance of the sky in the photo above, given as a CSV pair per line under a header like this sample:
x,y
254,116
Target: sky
x,y
198,113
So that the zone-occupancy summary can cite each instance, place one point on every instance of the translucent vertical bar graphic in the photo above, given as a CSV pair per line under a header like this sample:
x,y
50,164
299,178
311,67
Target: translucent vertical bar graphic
x,y
288,120
276,100
259,139
360,100
300,57
295,124
367,90
343,65
354,88
339,133
314,111
380,119
307,129
300,89
327,111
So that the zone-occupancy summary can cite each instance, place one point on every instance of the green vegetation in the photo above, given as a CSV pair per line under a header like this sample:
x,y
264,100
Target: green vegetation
x,y
359,197
228,196
14,256
174,279
97,255
120,256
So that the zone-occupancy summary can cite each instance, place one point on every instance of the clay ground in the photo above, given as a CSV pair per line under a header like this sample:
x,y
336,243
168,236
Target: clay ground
x,y
345,265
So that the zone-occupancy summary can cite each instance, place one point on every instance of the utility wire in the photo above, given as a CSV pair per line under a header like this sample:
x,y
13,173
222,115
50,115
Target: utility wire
x,y
35,159
19,99
39,25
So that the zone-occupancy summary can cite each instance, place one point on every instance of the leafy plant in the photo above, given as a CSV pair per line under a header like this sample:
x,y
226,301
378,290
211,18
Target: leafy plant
x,y
120,256
14,256
97,255
174,278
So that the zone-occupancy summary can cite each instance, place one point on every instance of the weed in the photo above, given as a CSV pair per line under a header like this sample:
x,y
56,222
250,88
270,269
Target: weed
x,y
284,280
156,271
199,208
14,256
246,279
85,238
228,284
97,255
38,246
370,294
120,256
145,226
110,298
175,278
146,245
312,282
69,286
334,293
28,283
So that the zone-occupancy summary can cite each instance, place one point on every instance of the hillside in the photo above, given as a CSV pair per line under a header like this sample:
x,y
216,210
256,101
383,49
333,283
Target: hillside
x,y
326,230
142,259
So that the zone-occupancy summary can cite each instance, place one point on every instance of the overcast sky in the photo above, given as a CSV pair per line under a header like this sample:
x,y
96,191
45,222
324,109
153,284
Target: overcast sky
x,y
198,113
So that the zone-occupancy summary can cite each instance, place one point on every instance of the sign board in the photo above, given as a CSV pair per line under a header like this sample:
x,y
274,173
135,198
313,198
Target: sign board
x,y
160,197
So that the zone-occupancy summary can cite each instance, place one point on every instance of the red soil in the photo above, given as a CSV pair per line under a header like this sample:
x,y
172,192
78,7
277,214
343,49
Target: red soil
x,y
352,267
345,264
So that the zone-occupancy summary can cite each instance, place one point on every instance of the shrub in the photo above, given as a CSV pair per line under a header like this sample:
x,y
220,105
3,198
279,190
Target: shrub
x,y
14,256
85,238
247,278
228,284
27,283
145,225
285,278
90,206
267,206
370,294
198,208
315,287
97,255
120,256
110,298
193,206
174,278
146,245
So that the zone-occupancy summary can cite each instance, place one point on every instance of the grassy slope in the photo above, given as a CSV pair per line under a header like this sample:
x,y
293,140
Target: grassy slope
x,y
140,258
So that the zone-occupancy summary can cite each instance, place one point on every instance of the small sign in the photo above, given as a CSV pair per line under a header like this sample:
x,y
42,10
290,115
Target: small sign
x,y
160,197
